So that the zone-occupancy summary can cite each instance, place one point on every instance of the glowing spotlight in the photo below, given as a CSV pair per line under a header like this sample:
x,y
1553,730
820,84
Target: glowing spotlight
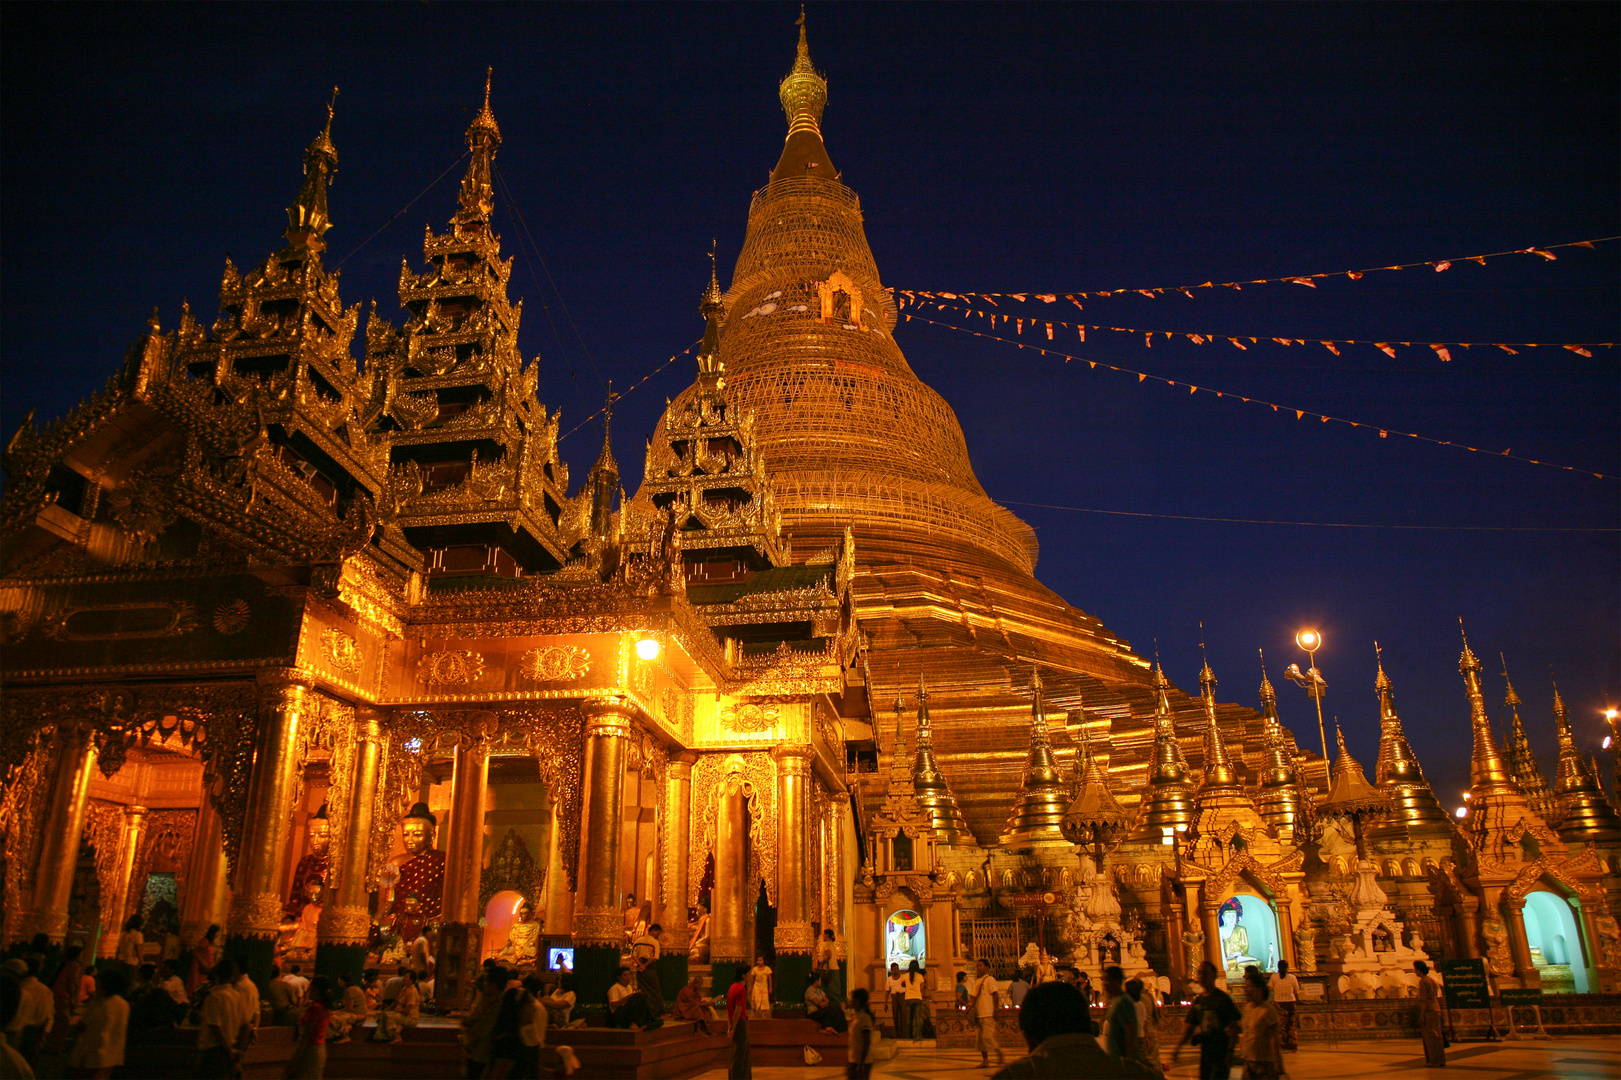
x,y
1468,795
1607,741
1611,714
648,648
1310,640
1462,811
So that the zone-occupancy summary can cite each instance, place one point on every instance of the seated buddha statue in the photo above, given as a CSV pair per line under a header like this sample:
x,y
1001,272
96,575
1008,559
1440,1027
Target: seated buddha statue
x,y
421,872
312,867
523,938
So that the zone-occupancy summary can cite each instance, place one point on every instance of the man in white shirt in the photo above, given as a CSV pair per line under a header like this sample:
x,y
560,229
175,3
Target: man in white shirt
x,y
1285,993
301,985
982,991
36,1010
825,960
250,1000
174,985
647,946
895,985
221,1040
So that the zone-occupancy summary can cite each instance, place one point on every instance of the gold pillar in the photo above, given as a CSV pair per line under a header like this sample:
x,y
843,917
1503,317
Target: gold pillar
x,y
1174,927
1286,926
345,919
728,922
837,917
117,908
793,933
1519,944
206,893
559,912
461,938
1212,936
598,918
677,837
63,826
257,902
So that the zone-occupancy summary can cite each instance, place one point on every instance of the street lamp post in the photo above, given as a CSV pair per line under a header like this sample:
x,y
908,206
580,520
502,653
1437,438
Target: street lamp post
x,y
1312,681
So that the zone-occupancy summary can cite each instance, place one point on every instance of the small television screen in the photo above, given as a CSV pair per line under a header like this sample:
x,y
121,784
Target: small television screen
x,y
559,958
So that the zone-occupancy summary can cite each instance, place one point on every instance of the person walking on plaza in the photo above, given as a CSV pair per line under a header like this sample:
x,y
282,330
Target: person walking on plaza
x,y
1262,1046
914,1001
99,1048
223,1037
1285,989
863,1034
895,987
1059,1034
737,1028
760,989
309,1056
982,992
1432,1017
1120,1037
1211,1019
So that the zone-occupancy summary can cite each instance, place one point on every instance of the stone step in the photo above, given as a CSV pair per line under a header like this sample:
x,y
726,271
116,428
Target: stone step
x,y
782,1041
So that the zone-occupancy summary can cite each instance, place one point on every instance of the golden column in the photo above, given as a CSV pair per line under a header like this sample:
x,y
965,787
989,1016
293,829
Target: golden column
x,y
1519,945
599,923
677,840
729,943
460,936
559,901
63,825
834,917
129,844
793,933
255,918
207,892
345,925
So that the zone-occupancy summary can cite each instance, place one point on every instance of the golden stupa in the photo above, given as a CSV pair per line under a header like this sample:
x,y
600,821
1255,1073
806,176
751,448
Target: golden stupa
x,y
945,580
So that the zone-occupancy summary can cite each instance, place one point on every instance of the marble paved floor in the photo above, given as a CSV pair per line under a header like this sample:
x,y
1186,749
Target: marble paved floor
x,y
1592,1058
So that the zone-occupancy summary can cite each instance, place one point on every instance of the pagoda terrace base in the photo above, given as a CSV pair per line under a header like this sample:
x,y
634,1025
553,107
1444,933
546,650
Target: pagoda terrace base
x,y
782,1039
431,1051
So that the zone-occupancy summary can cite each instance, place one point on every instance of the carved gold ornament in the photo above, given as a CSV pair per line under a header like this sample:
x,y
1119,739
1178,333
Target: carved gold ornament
x,y
232,617
555,663
749,717
453,668
342,652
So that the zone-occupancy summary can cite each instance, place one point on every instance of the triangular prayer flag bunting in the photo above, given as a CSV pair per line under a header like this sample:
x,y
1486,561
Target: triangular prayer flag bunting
x,y
1578,350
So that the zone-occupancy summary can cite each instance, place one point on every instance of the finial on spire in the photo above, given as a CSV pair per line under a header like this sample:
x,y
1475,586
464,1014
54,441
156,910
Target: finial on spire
x,y
1511,699
307,220
803,95
1207,678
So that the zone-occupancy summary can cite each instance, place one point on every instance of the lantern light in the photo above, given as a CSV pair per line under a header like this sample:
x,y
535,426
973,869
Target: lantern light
x,y
648,648
1310,640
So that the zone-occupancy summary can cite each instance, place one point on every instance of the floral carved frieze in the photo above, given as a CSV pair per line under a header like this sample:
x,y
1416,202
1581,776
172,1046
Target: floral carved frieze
x,y
455,667
555,663
342,652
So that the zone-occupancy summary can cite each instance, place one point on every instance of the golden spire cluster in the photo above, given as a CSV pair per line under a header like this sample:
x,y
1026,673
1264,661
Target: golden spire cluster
x,y
1397,771
1280,800
1521,762
934,794
1488,772
1582,812
1038,814
1167,805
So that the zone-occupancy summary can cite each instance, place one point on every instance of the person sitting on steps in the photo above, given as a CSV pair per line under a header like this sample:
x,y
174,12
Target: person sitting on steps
x,y
820,1009
627,1008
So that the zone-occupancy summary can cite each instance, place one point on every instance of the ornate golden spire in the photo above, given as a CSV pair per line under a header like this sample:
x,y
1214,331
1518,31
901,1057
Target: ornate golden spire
x,y
1218,767
713,309
603,479
1397,771
307,220
1167,805
933,793
1038,814
1487,770
1350,785
1521,762
477,196
1582,812
1279,800
804,95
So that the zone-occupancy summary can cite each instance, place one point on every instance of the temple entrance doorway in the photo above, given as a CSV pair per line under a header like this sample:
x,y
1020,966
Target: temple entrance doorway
x,y
1248,929
499,915
1556,947
765,927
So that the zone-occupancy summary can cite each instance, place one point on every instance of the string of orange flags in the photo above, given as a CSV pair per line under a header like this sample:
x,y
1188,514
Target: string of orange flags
x,y
1300,414
629,389
1546,252
1442,349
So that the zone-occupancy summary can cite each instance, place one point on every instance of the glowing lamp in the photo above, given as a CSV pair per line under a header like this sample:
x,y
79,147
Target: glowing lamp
x,y
1462,811
1310,640
1611,714
648,648
1468,795
1607,742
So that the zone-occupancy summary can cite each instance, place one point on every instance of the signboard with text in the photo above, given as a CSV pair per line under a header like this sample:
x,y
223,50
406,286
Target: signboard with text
x,y
1521,997
1465,983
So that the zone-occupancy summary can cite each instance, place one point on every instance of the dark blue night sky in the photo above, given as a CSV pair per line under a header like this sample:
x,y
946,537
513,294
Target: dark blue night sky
x,y
996,148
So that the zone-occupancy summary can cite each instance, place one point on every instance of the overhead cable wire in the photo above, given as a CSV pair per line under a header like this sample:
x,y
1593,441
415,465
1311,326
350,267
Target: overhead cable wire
x,y
1300,414
1310,280
506,192
630,388
402,210
1324,524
